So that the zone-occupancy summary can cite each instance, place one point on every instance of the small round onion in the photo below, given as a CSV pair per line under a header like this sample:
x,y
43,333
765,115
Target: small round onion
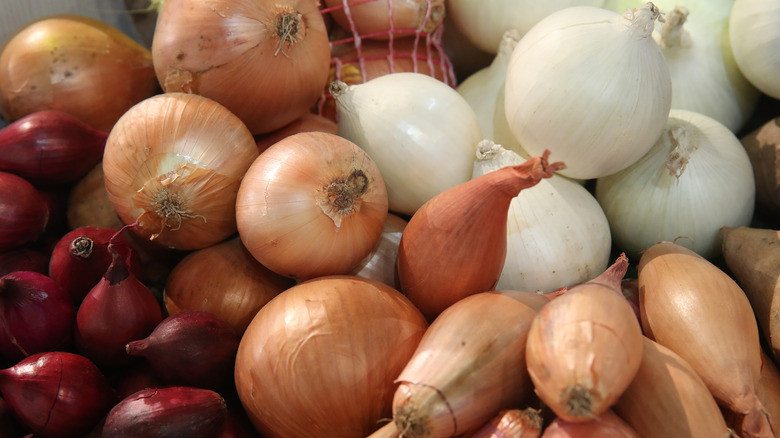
x,y
174,163
77,65
321,358
312,204
384,19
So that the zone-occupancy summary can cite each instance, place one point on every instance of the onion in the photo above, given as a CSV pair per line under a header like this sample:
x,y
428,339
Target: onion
x,y
81,257
466,368
174,163
754,33
306,123
602,125
385,19
606,425
174,411
313,204
752,256
191,348
117,310
24,259
266,61
36,315
667,398
358,61
88,202
50,147
455,244
70,63
321,358
696,310
511,423
57,394
24,212
380,263
585,347
225,280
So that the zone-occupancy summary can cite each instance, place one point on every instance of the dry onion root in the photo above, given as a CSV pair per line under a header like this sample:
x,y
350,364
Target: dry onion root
x,y
585,347
696,310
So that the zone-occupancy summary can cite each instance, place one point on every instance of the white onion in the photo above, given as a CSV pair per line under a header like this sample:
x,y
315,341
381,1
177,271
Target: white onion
x,y
754,32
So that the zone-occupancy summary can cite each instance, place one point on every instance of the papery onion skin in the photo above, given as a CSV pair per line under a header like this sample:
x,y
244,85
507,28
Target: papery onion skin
x,y
223,279
266,61
763,148
24,212
606,425
696,310
174,163
342,340
312,204
69,63
380,263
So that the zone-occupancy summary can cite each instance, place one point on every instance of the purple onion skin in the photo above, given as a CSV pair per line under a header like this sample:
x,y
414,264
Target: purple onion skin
x,y
57,394
167,412
24,212
50,147
36,315
190,348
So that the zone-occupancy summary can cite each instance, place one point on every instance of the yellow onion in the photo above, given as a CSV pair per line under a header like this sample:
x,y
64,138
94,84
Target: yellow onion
x,y
668,399
265,60
312,204
512,423
469,365
173,163
585,347
224,280
692,307
319,360
77,65
383,19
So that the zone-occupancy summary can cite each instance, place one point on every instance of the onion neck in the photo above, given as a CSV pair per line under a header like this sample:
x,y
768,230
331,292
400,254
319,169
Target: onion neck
x,y
508,42
673,33
681,147
641,21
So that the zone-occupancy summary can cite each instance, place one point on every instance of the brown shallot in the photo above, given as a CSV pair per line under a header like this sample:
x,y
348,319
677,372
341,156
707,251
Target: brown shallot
x,y
585,347
695,309
455,244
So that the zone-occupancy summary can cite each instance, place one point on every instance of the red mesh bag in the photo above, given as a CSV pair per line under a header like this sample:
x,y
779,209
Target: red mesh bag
x,y
370,38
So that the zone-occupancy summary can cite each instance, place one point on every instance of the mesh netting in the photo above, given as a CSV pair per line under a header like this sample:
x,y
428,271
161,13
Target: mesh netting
x,y
360,52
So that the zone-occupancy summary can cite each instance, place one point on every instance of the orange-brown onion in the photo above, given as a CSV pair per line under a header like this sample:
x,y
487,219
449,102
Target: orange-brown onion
x,y
312,204
77,65
353,65
265,60
319,360
469,365
224,280
695,309
306,123
372,18
174,163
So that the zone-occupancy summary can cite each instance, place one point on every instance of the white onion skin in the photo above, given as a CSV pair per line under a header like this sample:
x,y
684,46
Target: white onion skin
x,y
279,211
229,51
320,358
754,33
193,147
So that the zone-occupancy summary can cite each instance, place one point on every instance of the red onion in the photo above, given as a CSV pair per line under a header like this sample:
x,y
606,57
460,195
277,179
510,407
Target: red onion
x,y
36,315
190,348
81,257
57,394
174,411
50,147
24,259
9,425
24,212
119,309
